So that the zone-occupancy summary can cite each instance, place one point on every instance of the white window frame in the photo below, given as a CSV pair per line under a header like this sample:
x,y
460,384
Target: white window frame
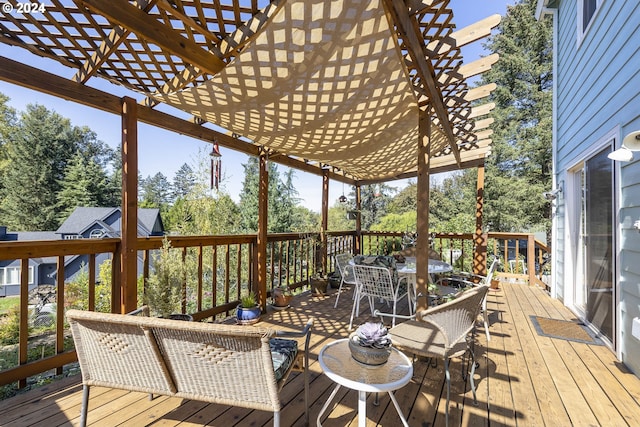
x,y
7,273
581,29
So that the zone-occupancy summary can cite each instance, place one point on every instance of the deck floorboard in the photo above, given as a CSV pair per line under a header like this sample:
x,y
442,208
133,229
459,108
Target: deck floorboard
x,y
523,379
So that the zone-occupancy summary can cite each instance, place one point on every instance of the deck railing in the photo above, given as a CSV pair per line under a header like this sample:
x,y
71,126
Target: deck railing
x,y
220,270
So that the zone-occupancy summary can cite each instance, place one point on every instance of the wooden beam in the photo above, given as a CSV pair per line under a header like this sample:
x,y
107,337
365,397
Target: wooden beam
x,y
422,245
478,66
263,219
129,227
480,92
324,221
33,78
424,68
358,248
481,110
479,237
115,38
464,36
122,13
483,124
228,47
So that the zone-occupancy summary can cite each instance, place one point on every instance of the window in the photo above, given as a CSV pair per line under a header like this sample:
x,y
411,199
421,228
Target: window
x,y
72,236
586,11
11,276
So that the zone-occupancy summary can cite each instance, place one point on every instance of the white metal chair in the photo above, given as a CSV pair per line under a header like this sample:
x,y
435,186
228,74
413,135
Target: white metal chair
x,y
375,283
445,331
346,272
517,266
464,279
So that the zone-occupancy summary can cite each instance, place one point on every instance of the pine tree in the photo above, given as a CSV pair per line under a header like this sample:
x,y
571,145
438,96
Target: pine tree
x,y
85,184
38,153
7,124
519,168
183,181
155,192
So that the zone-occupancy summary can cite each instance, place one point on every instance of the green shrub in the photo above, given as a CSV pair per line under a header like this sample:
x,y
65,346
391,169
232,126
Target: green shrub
x,y
10,327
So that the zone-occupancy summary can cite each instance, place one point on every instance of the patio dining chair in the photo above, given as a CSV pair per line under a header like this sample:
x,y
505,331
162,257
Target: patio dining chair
x,y
464,279
444,331
375,283
346,272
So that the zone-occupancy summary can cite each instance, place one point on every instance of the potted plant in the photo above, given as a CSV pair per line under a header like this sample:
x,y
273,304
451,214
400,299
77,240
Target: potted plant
x,y
163,291
370,344
248,311
281,296
318,283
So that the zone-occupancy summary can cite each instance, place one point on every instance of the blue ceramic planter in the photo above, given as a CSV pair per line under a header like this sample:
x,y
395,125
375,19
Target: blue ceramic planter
x,y
248,316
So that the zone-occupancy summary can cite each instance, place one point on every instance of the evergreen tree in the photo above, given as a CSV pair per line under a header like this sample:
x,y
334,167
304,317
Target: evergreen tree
x,y
7,124
38,153
519,169
284,211
114,192
405,201
155,192
249,196
373,202
85,184
183,182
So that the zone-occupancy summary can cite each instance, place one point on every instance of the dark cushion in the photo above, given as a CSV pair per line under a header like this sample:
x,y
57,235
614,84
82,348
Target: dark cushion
x,y
283,354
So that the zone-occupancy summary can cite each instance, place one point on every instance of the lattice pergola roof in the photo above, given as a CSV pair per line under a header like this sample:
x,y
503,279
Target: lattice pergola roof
x,y
336,84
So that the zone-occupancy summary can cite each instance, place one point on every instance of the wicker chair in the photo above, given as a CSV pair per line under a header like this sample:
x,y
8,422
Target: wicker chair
x,y
463,279
375,283
444,331
346,272
225,364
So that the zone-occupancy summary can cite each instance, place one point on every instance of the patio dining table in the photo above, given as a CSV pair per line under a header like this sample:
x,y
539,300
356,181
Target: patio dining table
x,y
436,266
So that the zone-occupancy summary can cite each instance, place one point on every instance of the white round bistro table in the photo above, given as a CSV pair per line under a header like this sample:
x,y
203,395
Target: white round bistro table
x,y
337,363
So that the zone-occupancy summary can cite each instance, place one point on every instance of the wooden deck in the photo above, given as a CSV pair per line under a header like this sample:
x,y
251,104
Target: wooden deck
x,y
524,379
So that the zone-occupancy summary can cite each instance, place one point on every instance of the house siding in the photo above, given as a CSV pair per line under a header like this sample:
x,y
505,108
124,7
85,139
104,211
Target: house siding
x,y
598,90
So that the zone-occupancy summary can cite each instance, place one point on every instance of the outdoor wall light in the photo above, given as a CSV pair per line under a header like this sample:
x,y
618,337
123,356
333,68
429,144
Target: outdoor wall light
x,y
552,195
630,143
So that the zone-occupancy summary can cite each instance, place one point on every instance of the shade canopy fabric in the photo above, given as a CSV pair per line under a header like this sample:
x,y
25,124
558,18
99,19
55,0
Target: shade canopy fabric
x,y
339,84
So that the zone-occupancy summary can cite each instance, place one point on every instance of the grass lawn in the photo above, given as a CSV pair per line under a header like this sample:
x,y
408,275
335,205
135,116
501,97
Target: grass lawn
x,y
7,302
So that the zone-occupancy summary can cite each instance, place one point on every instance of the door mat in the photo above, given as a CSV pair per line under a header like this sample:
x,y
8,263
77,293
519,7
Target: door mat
x,y
564,329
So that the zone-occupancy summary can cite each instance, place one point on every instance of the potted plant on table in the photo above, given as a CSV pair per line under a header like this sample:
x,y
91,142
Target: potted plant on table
x,y
248,311
370,344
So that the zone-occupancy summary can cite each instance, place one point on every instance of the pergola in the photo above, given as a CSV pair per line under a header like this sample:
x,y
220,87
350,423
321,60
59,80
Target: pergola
x,y
358,91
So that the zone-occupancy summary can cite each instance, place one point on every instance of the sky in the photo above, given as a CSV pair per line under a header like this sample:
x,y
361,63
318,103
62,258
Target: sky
x,y
165,151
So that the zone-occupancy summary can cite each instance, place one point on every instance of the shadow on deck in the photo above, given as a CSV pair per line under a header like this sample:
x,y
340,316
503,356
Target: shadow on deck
x,y
523,379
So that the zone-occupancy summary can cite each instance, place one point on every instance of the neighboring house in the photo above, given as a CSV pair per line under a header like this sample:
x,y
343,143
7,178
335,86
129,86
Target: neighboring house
x,y
83,223
596,247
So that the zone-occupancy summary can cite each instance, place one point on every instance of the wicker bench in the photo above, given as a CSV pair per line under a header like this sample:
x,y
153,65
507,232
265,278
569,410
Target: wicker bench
x,y
225,364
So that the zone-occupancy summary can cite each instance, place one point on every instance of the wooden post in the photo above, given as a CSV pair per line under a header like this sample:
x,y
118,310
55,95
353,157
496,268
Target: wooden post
x,y
422,245
479,238
263,205
325,221
531,258
129,258
357,250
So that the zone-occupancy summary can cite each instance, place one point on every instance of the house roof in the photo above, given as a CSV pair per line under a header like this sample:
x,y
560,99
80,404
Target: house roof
x,y
339,85
29,235
84,217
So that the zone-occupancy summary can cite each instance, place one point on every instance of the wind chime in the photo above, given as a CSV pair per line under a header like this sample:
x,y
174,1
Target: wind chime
x,y
216,165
